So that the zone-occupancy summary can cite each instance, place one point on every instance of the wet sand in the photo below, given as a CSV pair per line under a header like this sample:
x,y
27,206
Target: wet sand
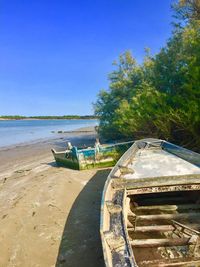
x,y
49,215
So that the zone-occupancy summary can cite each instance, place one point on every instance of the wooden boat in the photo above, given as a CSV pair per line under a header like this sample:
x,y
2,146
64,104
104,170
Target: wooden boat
x,y
80,158
150,213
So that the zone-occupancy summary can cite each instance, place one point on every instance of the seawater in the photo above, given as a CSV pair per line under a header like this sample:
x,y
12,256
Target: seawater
x,y
13,132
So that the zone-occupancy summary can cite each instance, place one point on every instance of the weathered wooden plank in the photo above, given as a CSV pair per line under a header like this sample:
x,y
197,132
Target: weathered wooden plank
x,y
186,262
165,216
163,242
168,207
162,189
163,180
152,228
177,181
159,228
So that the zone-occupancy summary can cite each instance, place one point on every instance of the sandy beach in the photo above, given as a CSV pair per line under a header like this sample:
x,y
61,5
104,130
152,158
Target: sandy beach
x,y
49,215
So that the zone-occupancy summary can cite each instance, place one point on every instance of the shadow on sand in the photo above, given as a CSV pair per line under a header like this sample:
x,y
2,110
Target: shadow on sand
x,y
81,244
51,164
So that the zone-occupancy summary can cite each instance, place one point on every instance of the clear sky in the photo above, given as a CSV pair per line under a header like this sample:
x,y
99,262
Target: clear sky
x,y
55,54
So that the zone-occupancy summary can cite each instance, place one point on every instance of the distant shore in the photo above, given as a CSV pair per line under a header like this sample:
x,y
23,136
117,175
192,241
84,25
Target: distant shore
x,y
87,117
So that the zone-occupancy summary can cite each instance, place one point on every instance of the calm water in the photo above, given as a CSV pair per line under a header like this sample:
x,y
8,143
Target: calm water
x,y
20,131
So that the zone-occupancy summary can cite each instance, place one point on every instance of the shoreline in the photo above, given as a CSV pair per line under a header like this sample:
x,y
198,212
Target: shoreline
x,y
49,210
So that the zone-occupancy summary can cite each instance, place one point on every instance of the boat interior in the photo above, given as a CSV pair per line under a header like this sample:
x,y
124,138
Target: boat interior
x,y
163,228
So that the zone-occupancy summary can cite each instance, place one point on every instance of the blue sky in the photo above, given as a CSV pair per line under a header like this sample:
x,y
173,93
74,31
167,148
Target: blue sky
x,y
56,54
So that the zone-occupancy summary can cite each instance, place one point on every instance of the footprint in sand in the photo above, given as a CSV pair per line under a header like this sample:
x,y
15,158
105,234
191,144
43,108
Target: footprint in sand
x,y
22,171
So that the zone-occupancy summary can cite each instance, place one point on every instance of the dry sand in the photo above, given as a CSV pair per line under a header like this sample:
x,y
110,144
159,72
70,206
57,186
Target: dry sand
x,y
49,215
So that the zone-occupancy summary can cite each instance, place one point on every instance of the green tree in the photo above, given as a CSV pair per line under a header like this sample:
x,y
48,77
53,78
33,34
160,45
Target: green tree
x,y
160,97
124,81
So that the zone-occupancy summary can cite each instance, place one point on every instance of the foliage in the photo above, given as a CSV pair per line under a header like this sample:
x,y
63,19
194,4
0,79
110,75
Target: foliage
x,y
188,10
160,97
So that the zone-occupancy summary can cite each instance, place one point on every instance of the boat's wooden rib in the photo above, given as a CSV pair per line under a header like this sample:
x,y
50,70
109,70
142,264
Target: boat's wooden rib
x,y
186,262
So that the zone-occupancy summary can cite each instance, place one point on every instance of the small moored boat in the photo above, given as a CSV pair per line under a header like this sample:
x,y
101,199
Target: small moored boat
x,y
80,158
150,213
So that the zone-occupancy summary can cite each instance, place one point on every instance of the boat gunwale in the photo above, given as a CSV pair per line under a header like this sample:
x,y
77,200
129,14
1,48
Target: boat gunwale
x,y
132,150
